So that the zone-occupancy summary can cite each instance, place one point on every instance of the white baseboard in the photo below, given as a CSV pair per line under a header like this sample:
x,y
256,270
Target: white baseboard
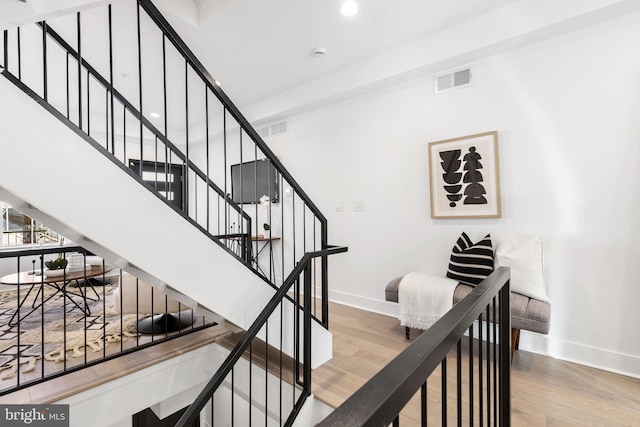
x,y
376,306
558,348
599,358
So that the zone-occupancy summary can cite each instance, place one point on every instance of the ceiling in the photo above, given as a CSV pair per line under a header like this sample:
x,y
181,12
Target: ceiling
x,y
258,48
260,51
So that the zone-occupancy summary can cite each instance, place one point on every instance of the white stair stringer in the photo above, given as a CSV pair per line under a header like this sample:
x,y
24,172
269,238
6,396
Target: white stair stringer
x,y
52,174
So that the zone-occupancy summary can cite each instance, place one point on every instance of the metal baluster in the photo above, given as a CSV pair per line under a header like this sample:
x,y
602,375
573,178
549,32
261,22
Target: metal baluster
x,y
443,378
293,228
19,39
480,394
488,381
233,392
155,168
168,186
124,133
505,355
68,95
79,25
325,275
213,396
282,228
266,372
459,382
251,381
226,187
206,118
45,90
5,43
471,375
113,141
315,268
185,199
255,196
88,104
141,112
307,329
423,404
280,384
106,118
495,364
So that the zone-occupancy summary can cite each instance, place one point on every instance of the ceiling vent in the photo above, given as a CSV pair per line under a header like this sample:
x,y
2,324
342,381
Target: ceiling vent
x,y
456,79
274,129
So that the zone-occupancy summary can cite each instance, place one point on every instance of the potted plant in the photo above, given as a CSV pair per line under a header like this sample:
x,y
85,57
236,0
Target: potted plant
x,y
55,268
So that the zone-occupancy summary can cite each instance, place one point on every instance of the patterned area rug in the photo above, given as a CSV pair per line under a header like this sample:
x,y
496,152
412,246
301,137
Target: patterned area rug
x,y
63,323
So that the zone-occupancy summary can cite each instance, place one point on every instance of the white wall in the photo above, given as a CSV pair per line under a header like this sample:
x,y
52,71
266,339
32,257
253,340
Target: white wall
x,y
566,111
176,381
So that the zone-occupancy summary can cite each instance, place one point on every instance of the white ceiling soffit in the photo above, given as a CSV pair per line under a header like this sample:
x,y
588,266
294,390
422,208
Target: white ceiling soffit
x,y
14,13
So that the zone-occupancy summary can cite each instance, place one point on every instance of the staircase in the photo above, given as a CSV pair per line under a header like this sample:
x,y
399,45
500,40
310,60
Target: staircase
x,y
139,169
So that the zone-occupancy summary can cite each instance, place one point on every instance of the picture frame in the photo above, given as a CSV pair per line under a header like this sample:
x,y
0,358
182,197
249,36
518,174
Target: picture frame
x,y
464,177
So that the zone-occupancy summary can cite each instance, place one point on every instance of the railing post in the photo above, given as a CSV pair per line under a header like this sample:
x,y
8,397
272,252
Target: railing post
x,y
325,276
45,89
505,355
307,329
79,57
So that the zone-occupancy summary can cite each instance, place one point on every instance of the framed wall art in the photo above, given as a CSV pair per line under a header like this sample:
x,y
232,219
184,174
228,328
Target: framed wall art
x,y
464,177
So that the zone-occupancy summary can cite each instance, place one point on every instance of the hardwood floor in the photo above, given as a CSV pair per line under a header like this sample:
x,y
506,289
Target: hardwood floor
x,y
545,391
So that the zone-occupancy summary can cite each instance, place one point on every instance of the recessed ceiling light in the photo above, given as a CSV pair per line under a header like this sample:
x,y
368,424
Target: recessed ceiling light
x,y
349,8
154,115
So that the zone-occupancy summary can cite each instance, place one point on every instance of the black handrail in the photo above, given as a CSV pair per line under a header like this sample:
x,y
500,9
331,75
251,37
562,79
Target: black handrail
x,y
380,400
194,410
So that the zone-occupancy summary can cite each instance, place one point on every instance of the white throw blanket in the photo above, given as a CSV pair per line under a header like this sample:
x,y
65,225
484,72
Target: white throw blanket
x,y
424,299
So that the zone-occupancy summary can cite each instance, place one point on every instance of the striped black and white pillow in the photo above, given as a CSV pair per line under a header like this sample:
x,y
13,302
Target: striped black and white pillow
x,y
470,262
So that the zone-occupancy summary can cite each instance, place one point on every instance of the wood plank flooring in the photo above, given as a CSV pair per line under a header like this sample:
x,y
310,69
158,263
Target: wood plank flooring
x,y
545,391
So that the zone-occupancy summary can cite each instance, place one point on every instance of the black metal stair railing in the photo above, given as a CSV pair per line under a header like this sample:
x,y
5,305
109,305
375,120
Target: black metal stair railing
x,y
472,386
58,319
242,393
121,78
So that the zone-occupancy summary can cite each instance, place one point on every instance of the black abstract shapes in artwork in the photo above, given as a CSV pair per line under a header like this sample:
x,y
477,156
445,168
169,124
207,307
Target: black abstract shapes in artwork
x,y
475,191
451,164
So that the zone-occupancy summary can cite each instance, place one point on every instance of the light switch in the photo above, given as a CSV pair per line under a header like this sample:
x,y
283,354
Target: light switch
x,y
338,205
358,205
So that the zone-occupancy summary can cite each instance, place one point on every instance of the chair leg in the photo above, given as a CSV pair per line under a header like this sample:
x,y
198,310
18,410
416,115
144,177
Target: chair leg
x,y
515,338
407,333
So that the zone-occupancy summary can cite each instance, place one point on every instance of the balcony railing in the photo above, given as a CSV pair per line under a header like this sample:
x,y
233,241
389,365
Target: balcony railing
x,y
57,321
